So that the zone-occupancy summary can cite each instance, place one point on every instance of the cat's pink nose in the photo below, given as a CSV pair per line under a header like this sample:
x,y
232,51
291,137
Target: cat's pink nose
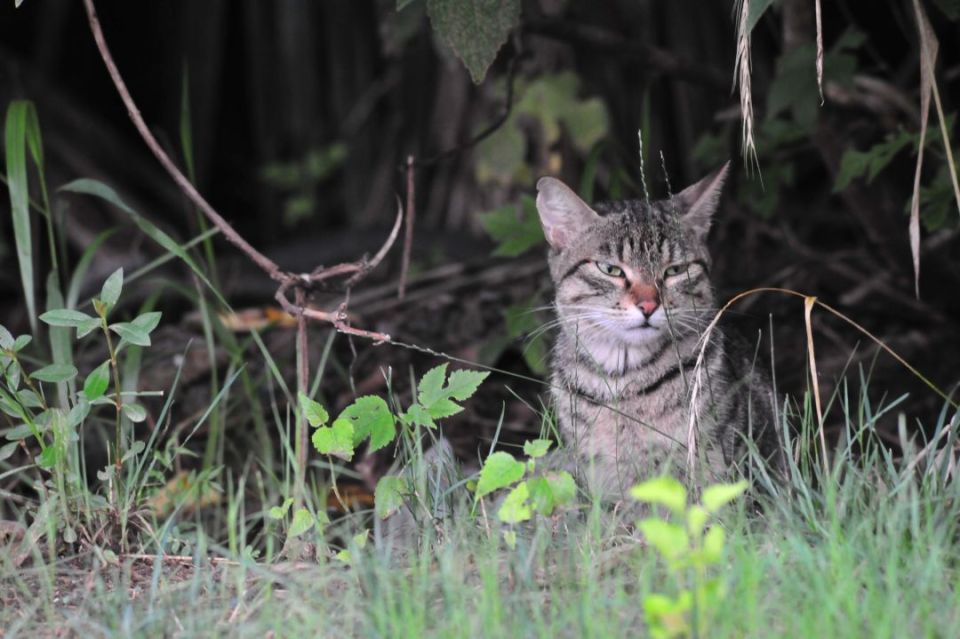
x,y
647,307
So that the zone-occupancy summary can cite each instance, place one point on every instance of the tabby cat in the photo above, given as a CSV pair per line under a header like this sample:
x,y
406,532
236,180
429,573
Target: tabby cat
x,y
633,298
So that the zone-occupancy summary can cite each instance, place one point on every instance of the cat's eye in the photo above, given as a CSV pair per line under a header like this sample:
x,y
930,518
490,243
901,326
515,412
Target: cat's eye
x,y
675,269
610,269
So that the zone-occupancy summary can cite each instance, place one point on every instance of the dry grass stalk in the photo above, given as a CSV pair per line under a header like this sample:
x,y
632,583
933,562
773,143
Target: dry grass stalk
x,y
742,79
808,303
819,50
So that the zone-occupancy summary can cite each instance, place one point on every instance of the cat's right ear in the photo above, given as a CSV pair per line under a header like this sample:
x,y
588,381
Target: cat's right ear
x,y
563,214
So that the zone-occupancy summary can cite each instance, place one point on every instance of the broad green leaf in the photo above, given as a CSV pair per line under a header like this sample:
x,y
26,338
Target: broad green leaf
x,y
429,390
669,539
713,543
6,338
390,494
696,519
110,292
335,440
279,512
463,383
563,487
855,164
665,491
55,373
315,413
303,521
499,470
510,537
67,317
21,115
474,29
717,496
8,449
49,457
132,333
97,381
541,495
87,327
21,342
370,417
136,413
419,415
522,321
444,408
536,448
29,399
147,322
515,507
515,227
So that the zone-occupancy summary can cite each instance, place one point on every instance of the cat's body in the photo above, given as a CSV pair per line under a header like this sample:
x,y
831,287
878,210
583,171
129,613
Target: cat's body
x,y
633,298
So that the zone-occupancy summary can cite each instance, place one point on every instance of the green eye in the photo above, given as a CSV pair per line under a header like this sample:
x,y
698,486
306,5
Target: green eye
x,y
676,269
610,269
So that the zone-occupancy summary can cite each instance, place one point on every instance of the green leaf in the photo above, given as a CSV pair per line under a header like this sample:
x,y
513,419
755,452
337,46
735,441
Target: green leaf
x,y
55,373
68,318
49,457
22,124
370,417
563,487
499,470
97,381
516,227
315,413
147,322
757,9
855,164
522,321
430,388
444,408
87,327
6,338
696,519
536,448
29,399
474,29
303,521
8,449
717,496
515,507
390,495
669,539
335,440
110,292
665,491
713,543
21,342
463,383
279,512
541,495
419,415
136,413
132,333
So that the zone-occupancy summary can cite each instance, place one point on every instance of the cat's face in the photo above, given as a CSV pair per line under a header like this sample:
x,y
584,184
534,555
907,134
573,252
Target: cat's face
x,y
630,272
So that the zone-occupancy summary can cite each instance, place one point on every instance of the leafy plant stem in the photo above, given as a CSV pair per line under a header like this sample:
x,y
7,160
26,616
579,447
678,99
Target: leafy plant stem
x,y
117,397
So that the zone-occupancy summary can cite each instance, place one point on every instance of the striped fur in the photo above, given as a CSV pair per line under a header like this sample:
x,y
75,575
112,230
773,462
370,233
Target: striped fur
x,y
633,296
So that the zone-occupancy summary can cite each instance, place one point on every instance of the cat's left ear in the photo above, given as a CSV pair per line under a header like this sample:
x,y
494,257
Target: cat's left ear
x,y
698,202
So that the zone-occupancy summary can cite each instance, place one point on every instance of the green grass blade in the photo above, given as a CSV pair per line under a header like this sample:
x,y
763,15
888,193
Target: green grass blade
x,y
99,189
16,142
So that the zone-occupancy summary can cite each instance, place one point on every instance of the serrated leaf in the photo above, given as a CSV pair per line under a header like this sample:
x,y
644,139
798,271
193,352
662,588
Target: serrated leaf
x,y
370,417
499,471
670,540
67,317
665,491
390,495
136,413
719,495
474,29
303,521
444,408
516,227
132,333
110,292
419,415
463,383
429,390
515,507
315,413
335,440
97,381
55,373
536,448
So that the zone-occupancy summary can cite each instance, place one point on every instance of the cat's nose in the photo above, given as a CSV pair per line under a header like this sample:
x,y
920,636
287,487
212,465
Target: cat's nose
x,y
648,307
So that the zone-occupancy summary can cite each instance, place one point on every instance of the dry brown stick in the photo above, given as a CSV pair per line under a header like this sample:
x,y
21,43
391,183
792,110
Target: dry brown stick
x,y
408,236
185,185
303,373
